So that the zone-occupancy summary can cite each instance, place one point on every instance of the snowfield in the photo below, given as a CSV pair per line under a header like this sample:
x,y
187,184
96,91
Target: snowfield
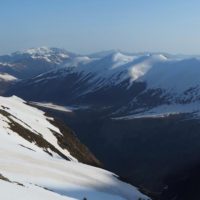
x,y
29,171
7,77
165,111
53,106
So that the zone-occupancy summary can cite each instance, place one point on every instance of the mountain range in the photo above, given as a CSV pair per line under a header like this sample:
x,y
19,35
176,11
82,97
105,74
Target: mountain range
x,y
74,79
138,113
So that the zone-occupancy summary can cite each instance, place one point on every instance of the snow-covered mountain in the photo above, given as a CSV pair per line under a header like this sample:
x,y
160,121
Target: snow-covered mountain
x,y
145,81
29,63
40,159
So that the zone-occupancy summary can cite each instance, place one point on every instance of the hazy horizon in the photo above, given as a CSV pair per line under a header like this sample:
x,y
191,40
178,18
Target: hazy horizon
x,y
93,26
103,51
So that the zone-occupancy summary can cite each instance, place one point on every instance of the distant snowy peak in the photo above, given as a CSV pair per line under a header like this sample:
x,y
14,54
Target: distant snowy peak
x,y
139,69
39,51
126,62
119,67
121,59
51,55
47,51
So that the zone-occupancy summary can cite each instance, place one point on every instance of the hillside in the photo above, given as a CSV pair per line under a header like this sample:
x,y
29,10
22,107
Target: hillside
x,y
40,160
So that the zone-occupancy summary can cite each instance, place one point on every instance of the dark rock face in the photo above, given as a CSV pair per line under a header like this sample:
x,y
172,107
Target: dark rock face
x,y
73,90
143,151
67,140
4,85
183,184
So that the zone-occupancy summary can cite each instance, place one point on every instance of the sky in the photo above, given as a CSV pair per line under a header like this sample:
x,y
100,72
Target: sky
x,y
85,26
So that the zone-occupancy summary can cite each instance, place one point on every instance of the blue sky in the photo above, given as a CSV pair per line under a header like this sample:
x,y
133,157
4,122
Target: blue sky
x,y
85,26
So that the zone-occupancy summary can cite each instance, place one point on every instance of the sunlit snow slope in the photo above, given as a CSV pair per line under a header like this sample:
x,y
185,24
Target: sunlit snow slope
x,y
35,164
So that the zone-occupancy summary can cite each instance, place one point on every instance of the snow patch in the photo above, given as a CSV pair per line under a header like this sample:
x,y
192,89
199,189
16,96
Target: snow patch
x,y
53,106
165,111
7,77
